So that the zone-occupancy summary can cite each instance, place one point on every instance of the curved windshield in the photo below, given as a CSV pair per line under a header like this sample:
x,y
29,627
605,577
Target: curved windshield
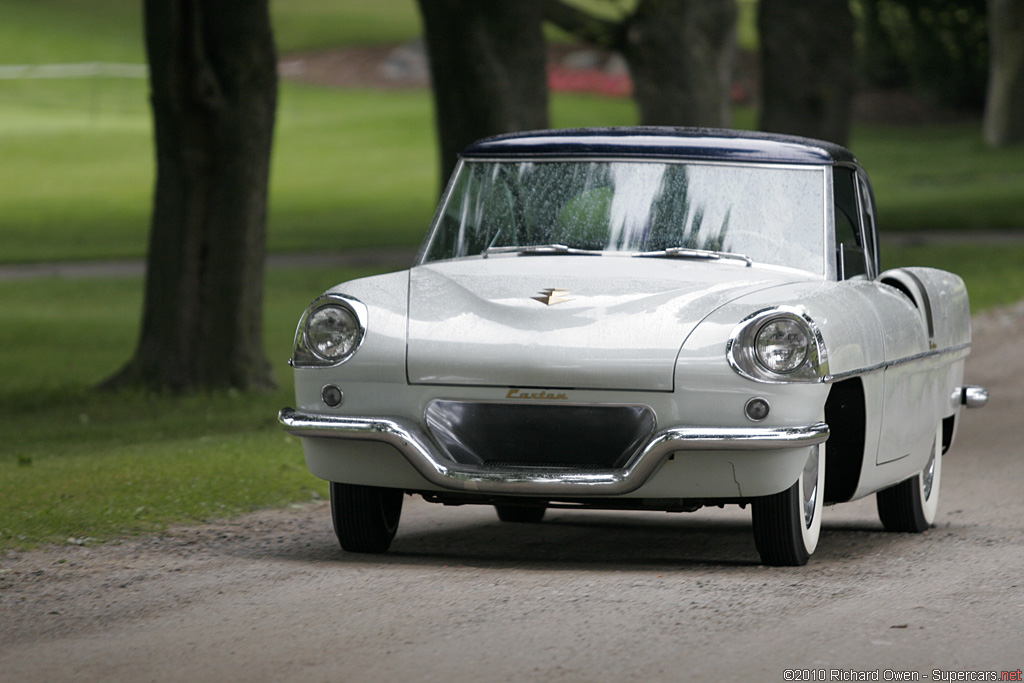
x,y
770,214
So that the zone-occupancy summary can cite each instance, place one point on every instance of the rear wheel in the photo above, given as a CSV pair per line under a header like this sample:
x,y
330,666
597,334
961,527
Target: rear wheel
x,y
525,514
365,517
787,524
911,505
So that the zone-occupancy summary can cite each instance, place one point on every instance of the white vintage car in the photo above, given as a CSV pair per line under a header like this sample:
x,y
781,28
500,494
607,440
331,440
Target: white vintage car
x,y
639,318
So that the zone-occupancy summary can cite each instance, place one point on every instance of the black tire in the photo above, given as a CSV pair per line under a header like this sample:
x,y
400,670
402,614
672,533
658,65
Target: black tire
x,y
911,505
365,517
523,514
787,524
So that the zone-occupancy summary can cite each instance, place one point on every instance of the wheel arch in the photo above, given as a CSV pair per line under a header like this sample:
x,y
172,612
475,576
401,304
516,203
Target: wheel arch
x,y
941,301
846,415
949,425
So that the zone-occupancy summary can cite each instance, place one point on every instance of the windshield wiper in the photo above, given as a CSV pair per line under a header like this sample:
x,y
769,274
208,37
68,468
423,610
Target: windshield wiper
x,y
685,252
541,250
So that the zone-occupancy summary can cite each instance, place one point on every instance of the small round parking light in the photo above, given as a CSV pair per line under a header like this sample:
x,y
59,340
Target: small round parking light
x,y
332,396
756,409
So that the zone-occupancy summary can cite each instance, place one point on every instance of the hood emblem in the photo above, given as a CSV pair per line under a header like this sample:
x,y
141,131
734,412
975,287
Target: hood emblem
x,y
550,297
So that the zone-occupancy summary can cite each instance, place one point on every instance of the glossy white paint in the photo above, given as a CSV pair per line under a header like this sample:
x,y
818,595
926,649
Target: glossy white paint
x,y
619,324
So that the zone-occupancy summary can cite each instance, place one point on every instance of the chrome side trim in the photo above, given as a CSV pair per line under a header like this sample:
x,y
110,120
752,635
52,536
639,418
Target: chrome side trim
x,y
434,464
899,361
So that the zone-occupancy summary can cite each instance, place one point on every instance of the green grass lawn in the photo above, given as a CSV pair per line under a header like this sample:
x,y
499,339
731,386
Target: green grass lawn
x,y
358,168
79,464
72,31
941,177
58,31
350,168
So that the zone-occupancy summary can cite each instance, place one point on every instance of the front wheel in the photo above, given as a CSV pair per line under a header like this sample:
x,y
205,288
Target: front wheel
x,y
910,506
365,517
787,524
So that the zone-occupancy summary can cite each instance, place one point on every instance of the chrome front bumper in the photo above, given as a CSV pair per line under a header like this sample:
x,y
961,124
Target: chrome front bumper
x,y
434,464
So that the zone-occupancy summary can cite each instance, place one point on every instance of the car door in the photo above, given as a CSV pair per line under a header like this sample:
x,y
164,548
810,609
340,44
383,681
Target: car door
x,y
903,392
906,332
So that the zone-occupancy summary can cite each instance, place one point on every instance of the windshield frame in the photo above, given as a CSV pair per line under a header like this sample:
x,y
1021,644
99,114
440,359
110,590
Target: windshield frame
x,y
823,169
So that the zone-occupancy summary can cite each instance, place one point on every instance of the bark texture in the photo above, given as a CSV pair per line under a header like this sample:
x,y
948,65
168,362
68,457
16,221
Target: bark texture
x,y
1004,107
213,79
808,62
488,70
681,55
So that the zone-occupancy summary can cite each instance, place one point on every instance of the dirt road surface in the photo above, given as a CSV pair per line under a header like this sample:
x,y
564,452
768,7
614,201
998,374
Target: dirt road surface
x,y
586,596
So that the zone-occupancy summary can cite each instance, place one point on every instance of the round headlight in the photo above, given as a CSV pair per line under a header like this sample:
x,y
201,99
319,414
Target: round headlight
x,y
332,332
782,345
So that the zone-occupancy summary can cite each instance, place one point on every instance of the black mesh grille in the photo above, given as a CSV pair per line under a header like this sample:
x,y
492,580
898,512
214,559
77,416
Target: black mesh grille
x,y
509,436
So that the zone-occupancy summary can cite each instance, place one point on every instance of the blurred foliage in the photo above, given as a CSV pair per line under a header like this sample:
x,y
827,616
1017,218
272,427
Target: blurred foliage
x,y
939,47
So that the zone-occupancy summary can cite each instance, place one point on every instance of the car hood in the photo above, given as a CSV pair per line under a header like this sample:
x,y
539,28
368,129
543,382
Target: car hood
x,y
611,323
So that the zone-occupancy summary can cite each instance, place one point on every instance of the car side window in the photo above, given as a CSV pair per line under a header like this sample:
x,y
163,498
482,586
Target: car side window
x,y
868,219
851,259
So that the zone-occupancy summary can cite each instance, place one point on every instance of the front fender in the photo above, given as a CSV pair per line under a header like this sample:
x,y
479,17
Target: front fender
x,y
379,360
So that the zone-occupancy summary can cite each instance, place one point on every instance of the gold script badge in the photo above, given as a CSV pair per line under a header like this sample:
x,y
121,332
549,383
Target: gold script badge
x,y
536,395
550,297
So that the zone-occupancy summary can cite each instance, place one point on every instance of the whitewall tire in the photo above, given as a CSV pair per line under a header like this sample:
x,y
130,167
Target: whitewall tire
x,y
787,525
911,506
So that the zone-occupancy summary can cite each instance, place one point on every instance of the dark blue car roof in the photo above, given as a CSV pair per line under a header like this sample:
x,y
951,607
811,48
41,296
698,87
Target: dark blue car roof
x,y
662,142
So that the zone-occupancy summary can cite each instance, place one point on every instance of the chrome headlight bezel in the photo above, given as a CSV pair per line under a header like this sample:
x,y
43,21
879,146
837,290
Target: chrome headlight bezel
x,y
742,347
306,351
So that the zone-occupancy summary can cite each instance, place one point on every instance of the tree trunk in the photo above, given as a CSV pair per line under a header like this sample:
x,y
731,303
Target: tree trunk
x,y
808,63
880,64
1004,108
681,56
488,69
213,79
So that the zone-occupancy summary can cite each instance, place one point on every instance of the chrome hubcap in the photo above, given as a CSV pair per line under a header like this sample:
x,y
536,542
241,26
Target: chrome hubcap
x,y
810,486
928,476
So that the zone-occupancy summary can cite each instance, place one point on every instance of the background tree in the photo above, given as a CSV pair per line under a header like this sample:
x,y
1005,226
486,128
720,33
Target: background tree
x,y
488,68
1004,110
936,47
880,64
213,90
680,53
808,67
